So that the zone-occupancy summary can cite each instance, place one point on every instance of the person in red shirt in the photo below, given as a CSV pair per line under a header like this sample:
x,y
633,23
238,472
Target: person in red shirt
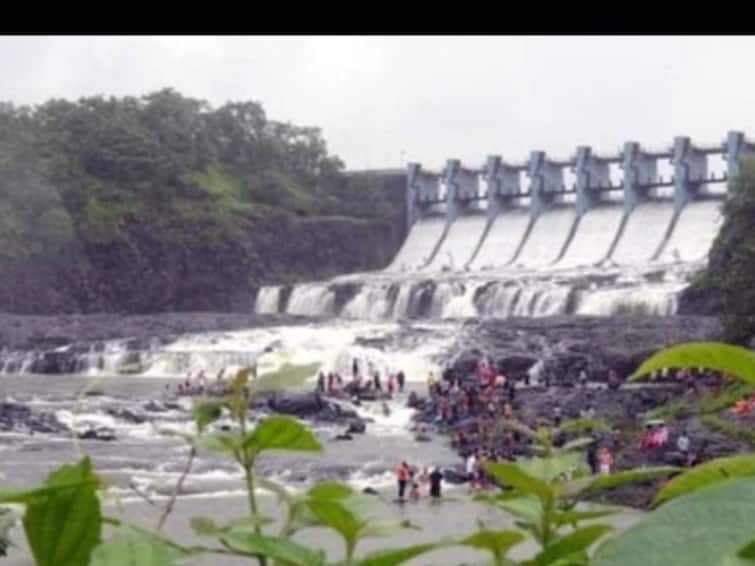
x,y
402,475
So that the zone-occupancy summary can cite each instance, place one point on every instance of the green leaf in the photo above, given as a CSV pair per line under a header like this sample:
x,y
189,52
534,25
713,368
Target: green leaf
x,y
748,551
383,528
705,474
241,379
701,528
205,526
496,542
226,442
725,358
206,412
279,549
575,444
134,547
510,474
287,376
280,491
282,433
397,556
576,542
330,490
334,514
528,508
552,467
574,516
62,520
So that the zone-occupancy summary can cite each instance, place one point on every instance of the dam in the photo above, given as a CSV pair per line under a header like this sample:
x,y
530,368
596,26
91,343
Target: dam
x,y
507,239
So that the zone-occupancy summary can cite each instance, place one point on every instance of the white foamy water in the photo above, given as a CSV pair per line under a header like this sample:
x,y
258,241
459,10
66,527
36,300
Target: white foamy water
x,y
371,303
695,231
533,299
267,300
658,300
548,237
644,231
312,299
503,239
462,239
594,236
333,344
419,244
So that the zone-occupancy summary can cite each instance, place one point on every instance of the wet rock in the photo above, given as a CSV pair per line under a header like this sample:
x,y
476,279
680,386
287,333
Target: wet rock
x,y
311,405
455,476
356,427
103,434
126,415
20,418
161,406
344,436
298,404
370,491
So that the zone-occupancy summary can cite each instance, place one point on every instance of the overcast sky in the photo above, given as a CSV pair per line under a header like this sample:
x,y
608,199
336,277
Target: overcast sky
x,y
382,101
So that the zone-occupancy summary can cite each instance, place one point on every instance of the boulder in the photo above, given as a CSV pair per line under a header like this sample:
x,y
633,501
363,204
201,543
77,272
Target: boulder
x,y
356,426
104,434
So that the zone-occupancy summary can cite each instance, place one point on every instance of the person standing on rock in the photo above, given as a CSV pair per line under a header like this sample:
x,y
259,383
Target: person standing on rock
x,y
436,477
592,457
391,385
355,368
401,378
402,475
321,382
472,468
376,381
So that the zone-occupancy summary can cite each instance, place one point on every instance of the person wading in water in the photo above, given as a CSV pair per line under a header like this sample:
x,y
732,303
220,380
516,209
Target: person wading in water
x,y
435,481
402,474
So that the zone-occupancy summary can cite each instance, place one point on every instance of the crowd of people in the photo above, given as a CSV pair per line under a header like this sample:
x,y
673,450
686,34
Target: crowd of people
x,y
369,381
409,477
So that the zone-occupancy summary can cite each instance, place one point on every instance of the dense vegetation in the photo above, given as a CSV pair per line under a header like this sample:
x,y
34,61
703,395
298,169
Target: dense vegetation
x,y
92,182
728,286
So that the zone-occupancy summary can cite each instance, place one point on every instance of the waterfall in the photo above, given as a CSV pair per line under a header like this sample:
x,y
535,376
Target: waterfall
x,y
534,299
268,299
660,300
455,300
373,302
401,304
16,362
311,299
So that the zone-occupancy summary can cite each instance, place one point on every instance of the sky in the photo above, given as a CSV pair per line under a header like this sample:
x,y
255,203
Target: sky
x,y
384,101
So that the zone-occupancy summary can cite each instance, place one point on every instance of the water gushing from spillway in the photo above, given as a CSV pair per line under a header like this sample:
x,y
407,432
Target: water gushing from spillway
x,y
419,245
592,241
504,238
695,231
459,244
643,233
547,238
268,299
603,263
311,300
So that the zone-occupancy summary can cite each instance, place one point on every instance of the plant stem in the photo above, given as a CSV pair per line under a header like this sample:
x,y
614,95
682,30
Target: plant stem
x,y
247,462
172,501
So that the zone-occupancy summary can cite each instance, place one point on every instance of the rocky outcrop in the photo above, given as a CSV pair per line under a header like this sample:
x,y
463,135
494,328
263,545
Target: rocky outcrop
x,y
311,406
570,344
15,417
